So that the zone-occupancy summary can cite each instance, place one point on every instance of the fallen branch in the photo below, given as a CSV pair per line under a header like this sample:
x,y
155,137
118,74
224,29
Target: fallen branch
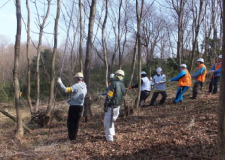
x,y
14,119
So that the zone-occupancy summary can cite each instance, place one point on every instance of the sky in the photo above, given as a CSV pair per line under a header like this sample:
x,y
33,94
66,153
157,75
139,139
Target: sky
x,y
8,21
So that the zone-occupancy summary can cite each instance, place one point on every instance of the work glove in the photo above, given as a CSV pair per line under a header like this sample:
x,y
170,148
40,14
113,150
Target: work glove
x,y
59,80
212,71
157,82
169,80
130,87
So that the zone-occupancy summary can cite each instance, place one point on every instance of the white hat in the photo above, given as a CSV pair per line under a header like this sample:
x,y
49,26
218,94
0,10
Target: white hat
x,y
121,72
184,66
159,70
143,73
79,75
200,60
111,76
220,56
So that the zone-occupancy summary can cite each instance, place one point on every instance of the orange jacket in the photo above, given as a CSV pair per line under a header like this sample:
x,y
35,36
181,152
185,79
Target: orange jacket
x,y
201,78
185,80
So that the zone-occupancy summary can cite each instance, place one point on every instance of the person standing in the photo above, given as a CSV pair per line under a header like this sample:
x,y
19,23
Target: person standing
x,y
78,92
159,81
112,104
216,71
145,87
184,83
199,77
110,82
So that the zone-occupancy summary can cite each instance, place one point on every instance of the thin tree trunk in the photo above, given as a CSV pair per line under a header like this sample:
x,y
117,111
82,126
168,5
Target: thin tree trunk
x,y
28,56
52,82
81,38
87,104
139,18
104,45
118,36
39,54
19,131
221,107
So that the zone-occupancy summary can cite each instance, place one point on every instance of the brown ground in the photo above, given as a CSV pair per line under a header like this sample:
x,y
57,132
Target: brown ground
x,y
182,131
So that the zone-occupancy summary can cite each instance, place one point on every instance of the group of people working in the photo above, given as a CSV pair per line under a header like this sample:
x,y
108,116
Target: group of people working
x,y
116,91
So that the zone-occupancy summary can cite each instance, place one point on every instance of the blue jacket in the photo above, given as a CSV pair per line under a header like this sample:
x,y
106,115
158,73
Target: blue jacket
x,y
198,73
217,72
179,76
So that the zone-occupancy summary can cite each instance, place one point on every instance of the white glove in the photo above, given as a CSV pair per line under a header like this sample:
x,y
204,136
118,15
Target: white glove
x,y
169,80
157,82
212,71
59,80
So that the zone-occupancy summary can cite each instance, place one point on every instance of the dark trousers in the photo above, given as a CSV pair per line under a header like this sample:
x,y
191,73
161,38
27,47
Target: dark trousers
x,y
214,84
144,95
155,95
74,115
198,85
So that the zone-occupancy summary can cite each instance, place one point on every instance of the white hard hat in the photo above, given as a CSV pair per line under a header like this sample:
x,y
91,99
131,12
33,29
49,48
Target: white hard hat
x,y
111,76
159,70
79,75
200,60
121,72
220,56
184,66
143,73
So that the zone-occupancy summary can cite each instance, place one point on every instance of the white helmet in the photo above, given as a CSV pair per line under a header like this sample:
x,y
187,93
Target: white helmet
x,y
143,73
200,60
159,70
120,72
184,66
111,76
220,56
79,75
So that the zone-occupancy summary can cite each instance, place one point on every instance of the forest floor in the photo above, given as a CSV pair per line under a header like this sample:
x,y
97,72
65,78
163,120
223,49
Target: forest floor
x,y
186,130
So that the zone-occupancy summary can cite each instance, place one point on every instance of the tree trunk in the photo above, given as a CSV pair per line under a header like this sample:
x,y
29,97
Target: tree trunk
x,y
39,54
221,107
118,36
52,82
81,38
19,131
139,18
28,56
87,104
104,45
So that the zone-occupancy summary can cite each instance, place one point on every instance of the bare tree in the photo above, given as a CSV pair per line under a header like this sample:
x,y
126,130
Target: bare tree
x,y
139,19
20,130
87,105
221,108
28,55
81,37
41,30
52,82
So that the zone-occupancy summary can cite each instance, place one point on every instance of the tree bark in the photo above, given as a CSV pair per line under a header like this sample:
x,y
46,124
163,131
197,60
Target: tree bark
x,y
139,18
104,44
81,38
221,107
39,54
28,56
87,104
19,131
118,36
52,82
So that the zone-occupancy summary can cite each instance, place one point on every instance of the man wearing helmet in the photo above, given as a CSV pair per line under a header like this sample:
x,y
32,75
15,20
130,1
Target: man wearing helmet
x,y
110,82
78,92
199,77
184,83
216,70
113,101
159,81
145,87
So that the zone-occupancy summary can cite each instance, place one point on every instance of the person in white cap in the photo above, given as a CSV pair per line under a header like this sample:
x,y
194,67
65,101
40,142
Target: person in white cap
x,y
199,77
113,101
216,73
145,87
110,82
184,83
159,81
78,92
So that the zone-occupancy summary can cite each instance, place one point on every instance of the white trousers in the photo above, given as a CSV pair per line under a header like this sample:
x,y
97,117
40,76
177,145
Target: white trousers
x,y
110,131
